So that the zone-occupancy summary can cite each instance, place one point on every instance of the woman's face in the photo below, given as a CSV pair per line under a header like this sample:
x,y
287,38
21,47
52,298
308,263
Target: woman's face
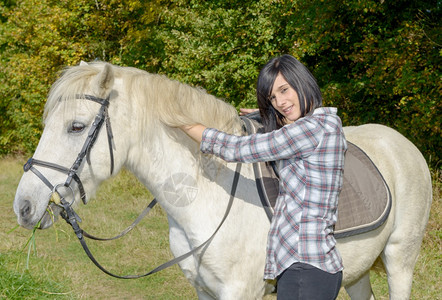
x,y
285,99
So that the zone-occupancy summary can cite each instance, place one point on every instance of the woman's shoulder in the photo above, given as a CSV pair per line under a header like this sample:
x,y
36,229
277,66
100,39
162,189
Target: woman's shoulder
x,y
325,111
319,115
322,117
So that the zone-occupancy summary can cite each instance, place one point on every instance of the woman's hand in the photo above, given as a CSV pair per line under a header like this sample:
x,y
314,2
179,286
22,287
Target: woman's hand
x,y
194,131
246,111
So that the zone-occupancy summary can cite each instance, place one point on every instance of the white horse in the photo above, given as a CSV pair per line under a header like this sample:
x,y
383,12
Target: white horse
x,y
194,189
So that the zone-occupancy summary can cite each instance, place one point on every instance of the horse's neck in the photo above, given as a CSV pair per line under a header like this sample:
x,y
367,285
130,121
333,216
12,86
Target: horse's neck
x,y
186,183
154,161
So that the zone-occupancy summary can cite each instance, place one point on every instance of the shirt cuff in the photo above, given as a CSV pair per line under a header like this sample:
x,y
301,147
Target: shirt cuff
x,y
208,140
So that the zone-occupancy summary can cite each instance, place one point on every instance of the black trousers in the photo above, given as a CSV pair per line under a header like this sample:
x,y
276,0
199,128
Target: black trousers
x,y
305,282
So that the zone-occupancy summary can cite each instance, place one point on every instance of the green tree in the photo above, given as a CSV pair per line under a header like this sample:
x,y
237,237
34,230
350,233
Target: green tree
x,y
377,61
217,45
38,39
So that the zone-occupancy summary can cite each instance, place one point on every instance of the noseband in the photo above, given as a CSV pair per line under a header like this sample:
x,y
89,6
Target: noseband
x,y
72,173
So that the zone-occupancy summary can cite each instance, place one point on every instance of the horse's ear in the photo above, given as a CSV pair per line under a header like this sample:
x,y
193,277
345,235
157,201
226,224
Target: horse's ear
x,y
83,63
103,82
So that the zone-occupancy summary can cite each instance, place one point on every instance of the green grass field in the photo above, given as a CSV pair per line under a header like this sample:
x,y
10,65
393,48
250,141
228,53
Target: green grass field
x,y
57,268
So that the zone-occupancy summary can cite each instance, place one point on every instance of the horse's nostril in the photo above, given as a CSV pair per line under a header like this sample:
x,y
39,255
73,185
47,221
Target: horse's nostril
x,y
25,208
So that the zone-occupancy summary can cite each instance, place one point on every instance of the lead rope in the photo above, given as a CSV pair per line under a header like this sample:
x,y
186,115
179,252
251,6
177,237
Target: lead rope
x,y
69,216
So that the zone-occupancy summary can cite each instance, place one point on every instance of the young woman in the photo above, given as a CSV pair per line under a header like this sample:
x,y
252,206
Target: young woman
x,y
307,143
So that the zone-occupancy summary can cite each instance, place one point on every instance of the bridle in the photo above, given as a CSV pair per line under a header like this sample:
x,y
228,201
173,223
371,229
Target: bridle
x,y
101,117
72,218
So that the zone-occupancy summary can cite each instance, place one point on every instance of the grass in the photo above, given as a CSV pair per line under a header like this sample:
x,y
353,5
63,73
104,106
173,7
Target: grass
x,y
23,285
59,269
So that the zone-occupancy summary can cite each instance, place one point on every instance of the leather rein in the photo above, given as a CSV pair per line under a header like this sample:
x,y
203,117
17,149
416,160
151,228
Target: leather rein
x,y
72,218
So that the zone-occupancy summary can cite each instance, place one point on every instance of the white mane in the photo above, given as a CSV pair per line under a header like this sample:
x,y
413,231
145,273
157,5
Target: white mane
x,y
156,97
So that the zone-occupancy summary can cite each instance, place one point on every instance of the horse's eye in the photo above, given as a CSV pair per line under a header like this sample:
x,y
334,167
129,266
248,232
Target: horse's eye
x,y
76,127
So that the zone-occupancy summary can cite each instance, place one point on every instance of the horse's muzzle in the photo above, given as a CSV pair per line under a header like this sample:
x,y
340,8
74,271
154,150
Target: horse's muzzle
x,y
27,219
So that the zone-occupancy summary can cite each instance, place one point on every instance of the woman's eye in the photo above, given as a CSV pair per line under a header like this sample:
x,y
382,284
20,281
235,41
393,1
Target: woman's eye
x,y
76,127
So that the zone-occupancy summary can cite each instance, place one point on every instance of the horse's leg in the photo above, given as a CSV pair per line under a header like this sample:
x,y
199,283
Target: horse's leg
x,y
399,261
403,246
179,245
361,289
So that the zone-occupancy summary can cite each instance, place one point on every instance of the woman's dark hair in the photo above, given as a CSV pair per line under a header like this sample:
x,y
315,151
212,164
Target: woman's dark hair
x,y
298,77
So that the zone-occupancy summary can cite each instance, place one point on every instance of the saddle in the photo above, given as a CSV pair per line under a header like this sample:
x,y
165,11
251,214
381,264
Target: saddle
x,y
365,199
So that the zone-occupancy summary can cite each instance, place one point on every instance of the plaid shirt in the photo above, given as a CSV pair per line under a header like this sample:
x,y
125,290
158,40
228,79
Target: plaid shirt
x,y
310,159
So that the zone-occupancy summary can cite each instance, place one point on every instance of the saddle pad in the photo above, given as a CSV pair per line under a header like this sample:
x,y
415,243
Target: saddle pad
x,y
365,199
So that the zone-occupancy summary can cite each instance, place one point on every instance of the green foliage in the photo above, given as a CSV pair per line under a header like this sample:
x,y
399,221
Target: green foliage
x,y
377,61
219,46
38,39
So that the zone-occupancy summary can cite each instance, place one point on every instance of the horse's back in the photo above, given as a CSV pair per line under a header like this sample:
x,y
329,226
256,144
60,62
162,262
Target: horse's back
x,y
389,150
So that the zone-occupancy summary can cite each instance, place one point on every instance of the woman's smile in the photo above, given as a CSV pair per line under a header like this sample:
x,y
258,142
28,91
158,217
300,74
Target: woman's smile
x,y
287,110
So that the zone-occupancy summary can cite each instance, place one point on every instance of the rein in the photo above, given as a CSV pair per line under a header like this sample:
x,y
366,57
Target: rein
x,y
72,218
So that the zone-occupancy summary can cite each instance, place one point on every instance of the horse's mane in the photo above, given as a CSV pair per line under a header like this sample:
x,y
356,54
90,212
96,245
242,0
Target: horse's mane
x,y
155,96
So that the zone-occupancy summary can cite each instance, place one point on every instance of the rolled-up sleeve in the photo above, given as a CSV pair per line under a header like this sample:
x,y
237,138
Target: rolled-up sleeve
x,y
229,147
287,142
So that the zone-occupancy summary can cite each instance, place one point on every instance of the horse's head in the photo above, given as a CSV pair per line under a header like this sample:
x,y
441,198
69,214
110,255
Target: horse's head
x,y
75,153
75,150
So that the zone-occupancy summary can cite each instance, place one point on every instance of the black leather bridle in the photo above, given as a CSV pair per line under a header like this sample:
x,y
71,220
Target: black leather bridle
x,y
102,117
72,218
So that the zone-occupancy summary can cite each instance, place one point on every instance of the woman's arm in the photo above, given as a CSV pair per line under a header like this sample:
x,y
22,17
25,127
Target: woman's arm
x,y
246,111
290,141
194,131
